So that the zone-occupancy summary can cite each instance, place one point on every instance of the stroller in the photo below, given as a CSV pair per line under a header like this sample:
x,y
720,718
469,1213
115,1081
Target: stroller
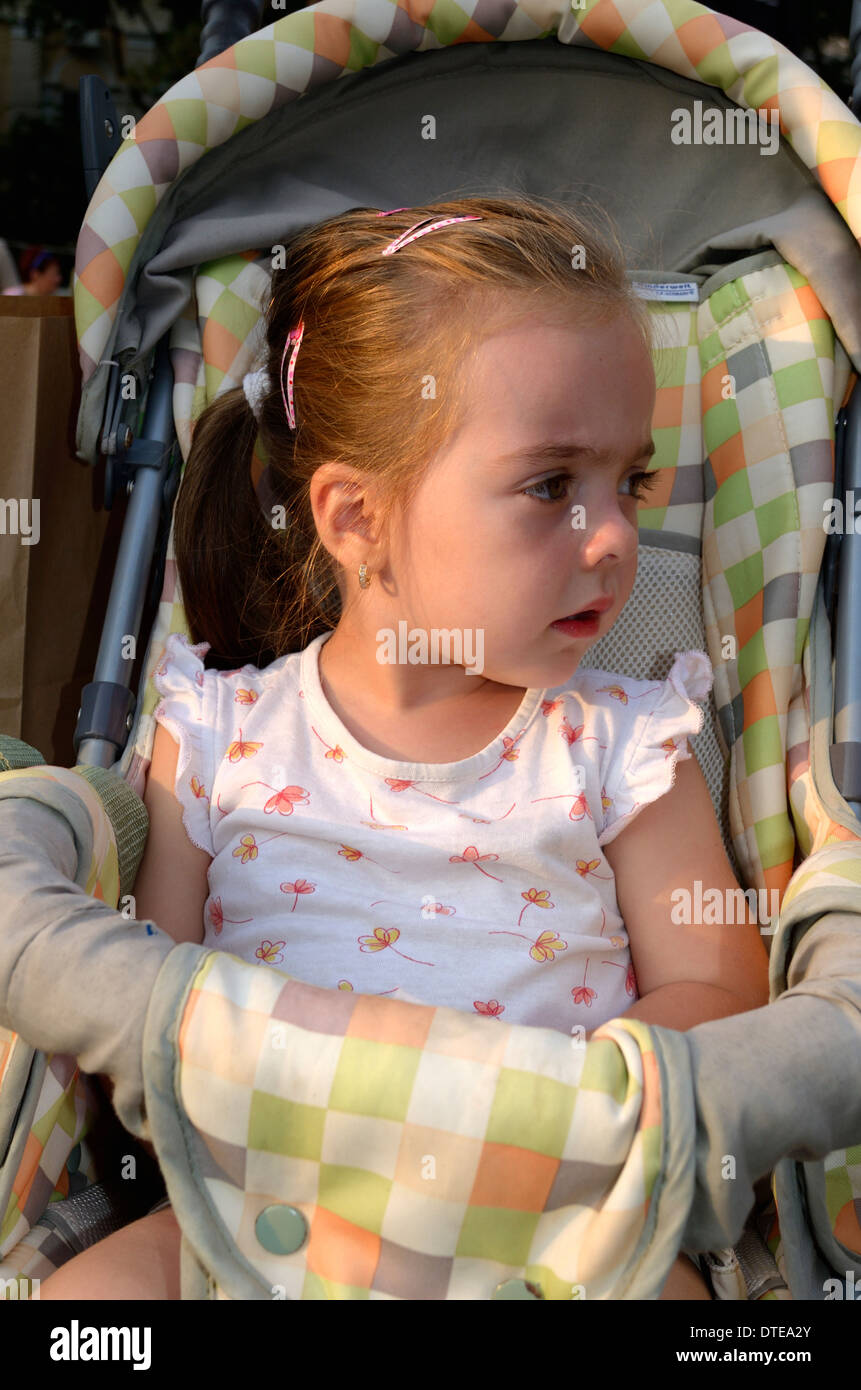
x,y
757,283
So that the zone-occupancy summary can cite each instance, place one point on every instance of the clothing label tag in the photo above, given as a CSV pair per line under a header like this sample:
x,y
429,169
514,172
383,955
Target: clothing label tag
x,y
679,289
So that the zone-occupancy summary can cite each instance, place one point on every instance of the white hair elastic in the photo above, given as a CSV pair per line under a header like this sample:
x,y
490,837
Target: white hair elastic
x,y
256,386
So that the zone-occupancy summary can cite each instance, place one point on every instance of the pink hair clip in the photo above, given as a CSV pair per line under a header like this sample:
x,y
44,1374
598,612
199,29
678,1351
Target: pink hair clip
x,y
421,229
294,337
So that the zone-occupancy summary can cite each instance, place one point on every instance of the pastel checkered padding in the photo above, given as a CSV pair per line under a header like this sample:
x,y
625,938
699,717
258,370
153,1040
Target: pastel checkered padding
x,y
498,1175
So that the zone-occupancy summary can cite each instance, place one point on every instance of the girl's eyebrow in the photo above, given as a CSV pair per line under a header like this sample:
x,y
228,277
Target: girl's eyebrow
x,y
558,451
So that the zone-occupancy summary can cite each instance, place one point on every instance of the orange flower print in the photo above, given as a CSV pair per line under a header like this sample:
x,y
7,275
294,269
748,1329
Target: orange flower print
x,y
535,898
270,953
438,910
606,801
615,692
245,697
336,753
283,800
575,735
198,789
582,994
509,756
300,886
380,939
353,855
240,749
428,908
588,866
548,706
217,917
545,946
472,856
386,937
492,1009
249,848
670,746
579,807
400,784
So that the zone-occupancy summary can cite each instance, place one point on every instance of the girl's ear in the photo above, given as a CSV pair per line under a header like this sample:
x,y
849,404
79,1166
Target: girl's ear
x,y
343,503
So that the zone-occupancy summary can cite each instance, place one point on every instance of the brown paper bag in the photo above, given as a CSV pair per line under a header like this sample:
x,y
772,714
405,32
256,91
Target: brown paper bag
x,y
57,543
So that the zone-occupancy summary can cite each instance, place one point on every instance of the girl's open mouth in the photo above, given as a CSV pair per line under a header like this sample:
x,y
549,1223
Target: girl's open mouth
x,y
583,624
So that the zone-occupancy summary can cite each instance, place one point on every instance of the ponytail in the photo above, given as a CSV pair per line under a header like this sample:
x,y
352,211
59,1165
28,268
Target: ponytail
x,y
219,533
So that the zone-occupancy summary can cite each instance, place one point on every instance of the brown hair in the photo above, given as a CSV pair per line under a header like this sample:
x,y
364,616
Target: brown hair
x,y
377,330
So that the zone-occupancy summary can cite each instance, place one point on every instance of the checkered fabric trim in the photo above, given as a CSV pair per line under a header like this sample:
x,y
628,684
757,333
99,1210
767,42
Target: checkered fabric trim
x,y
338,37
489,1152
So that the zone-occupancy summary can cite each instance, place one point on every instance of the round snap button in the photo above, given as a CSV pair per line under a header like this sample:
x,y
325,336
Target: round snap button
x,y
280,1229
517,1288
73,1162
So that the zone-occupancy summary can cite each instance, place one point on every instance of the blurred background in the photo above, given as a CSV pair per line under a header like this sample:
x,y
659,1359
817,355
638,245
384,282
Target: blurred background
x,y
140,48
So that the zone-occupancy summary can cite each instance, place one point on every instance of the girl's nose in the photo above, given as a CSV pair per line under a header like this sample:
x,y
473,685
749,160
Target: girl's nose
x,y
609,530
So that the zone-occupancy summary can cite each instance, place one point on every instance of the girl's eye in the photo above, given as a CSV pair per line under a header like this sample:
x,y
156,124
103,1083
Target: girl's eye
x,y
640,483
548,482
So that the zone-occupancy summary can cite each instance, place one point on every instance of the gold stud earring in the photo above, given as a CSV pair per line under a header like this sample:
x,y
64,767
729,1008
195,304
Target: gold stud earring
x,y
364,581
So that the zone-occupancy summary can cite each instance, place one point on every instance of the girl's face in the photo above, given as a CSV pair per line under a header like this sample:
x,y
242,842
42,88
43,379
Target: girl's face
x,y
488,542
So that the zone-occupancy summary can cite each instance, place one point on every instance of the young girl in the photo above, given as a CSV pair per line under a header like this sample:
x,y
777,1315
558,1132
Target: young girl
x,y
408,786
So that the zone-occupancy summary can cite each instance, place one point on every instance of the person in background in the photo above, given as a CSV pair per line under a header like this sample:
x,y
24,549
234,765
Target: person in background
x,y
40,272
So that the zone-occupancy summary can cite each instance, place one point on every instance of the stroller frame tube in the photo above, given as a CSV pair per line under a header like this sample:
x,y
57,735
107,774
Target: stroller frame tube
x,y
107,704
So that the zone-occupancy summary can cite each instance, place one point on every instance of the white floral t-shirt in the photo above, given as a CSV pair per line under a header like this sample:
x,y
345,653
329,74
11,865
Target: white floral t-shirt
x,y
479,885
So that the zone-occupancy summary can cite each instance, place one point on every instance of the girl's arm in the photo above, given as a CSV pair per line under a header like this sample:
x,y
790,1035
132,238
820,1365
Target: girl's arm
x,y
687,973
171,885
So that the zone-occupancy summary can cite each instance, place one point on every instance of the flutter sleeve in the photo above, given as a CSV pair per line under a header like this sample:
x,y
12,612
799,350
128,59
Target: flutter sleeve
x,y
189,711
653,730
